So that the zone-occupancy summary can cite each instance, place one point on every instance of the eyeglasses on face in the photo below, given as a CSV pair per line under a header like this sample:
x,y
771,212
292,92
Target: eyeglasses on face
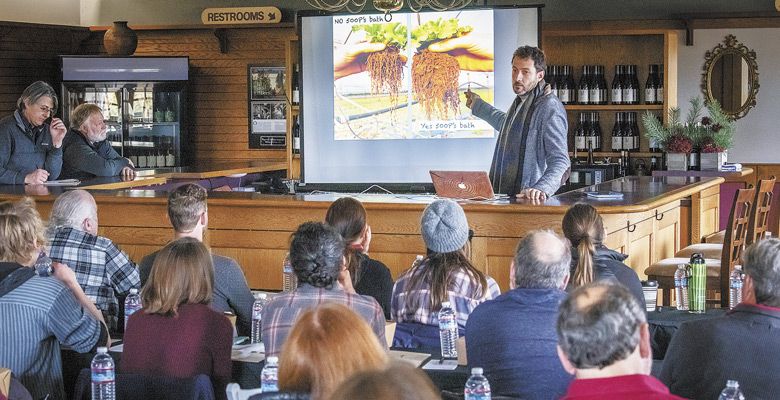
x,y
46,110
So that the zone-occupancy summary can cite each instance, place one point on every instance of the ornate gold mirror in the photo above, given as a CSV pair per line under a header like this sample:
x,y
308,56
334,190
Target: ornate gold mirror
x,y
731,77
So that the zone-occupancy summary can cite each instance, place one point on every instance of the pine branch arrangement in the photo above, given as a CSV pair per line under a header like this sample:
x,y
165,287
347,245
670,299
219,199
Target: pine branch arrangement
x,y
708,134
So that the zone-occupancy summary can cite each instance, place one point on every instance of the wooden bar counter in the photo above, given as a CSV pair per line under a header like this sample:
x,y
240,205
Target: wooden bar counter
x,y
255,229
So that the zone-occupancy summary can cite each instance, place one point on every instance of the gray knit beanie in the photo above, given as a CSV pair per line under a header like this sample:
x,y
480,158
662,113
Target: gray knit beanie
x,y
444,226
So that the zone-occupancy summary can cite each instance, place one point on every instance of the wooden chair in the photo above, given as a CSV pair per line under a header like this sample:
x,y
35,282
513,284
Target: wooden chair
x,y
758,224
718,269
759,220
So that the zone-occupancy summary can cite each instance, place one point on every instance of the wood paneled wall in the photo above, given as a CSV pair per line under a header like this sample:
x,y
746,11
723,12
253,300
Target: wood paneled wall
x,y
28,53
218,109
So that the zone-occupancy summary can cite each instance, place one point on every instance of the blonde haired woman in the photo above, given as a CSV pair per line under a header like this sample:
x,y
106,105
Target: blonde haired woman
x,y
38,312
177,334
328,345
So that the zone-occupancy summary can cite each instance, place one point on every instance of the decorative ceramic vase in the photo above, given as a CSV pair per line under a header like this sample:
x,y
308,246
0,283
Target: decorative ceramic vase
x,y
120,40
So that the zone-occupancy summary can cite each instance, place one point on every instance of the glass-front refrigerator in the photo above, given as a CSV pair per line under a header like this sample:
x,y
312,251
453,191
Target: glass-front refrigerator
x,y
143,100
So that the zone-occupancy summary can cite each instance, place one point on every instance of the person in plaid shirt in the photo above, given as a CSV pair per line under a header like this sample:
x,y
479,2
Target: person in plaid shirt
x,y
446,274
102,270
317,257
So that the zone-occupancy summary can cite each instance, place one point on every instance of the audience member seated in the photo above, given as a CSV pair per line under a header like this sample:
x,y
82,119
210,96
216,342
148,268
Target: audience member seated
x,y
188,214
742,345
591,260
38,313
369,277
512,338
317,258
326,347
400,381
446,274
85,151
177,334
603,338
31,138
103,271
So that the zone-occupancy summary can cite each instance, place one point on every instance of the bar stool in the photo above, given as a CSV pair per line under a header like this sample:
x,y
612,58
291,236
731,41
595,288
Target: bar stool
x,y
718,269
759,220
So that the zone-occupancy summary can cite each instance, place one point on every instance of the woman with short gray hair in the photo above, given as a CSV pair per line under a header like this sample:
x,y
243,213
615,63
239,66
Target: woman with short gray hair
x,y
86,152
31,138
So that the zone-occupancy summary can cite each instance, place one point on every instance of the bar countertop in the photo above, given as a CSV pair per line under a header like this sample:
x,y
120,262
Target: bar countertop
x,y
639,194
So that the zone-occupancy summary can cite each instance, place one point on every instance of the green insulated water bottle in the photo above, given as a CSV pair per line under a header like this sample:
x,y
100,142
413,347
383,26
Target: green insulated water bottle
x,y
697,284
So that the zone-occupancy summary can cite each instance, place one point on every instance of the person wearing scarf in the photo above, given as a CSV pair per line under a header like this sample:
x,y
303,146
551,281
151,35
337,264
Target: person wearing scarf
x,y
531,156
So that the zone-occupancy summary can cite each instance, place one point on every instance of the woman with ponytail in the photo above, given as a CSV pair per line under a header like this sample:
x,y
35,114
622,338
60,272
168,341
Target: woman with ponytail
x,y
369,277
591,260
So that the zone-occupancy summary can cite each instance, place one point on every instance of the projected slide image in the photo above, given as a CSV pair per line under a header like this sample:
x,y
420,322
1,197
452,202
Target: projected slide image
x,y
405,79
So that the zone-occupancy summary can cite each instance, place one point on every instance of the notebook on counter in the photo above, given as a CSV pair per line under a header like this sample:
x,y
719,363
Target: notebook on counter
x,y
464,185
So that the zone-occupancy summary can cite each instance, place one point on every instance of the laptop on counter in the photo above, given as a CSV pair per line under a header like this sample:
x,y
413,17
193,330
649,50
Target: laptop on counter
x,y
464,185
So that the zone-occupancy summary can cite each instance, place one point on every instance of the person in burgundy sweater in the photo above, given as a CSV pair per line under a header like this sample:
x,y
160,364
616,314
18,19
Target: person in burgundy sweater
x,y
177,334
603,339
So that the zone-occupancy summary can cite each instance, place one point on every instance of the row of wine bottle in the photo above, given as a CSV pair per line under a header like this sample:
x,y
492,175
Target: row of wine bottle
x,y
592,88
625,133
153,158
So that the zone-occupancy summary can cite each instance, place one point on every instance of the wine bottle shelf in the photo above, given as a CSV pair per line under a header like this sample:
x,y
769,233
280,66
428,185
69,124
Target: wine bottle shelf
x,y
641,154
613,107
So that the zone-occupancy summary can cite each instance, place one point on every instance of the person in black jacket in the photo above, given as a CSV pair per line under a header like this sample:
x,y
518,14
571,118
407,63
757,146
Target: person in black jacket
x,y
86,152
591,260
369,277
742,345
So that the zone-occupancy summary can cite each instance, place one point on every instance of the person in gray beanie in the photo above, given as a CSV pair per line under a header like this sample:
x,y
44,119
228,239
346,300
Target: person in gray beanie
x,y
446,274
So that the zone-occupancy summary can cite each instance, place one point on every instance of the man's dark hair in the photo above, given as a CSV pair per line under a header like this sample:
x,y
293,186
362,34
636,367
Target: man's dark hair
x,y
316,252
598,325
534,53
762,264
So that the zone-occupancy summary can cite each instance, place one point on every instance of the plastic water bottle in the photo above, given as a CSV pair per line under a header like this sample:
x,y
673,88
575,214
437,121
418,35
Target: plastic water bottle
x,y
681,287
257,315
731,391
289,280
448,331
735,286
477,387
132,304
269,377
103,375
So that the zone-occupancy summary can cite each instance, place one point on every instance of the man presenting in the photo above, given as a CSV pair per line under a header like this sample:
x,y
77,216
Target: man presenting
x,y
531,155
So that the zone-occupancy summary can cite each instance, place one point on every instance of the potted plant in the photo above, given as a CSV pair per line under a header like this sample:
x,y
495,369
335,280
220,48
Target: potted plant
x,y
698,143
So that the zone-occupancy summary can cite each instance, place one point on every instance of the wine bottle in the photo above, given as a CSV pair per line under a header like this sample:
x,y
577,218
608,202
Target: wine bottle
x,y
580,133
617,132
595,130
603,88
651,84
572,88
635,128
296,136
628,134
659,89
151,159
583,87
551,77
617,85
594,94
564,90
653,164
141,159
634,90
296,93
170,159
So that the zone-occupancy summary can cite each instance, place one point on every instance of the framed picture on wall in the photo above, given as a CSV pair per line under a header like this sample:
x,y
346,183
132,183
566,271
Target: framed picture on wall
x,y
267,106
266,82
